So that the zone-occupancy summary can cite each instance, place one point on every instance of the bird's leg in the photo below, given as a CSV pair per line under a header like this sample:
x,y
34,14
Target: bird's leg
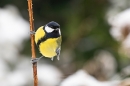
x,y
35,60
52,58
58,58
32,32
58,53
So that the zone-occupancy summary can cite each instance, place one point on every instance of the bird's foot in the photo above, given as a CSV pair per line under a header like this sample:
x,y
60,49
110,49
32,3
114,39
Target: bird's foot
x,y
58,58
35,60
32,32
52,58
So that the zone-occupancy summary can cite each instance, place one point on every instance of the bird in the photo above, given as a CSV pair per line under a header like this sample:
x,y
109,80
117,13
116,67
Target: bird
x,y
48,40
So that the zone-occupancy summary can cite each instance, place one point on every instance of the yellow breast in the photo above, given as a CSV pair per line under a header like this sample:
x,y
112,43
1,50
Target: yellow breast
x,y
48,47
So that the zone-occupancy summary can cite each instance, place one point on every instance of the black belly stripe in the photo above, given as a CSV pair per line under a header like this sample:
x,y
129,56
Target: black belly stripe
x,y
47,36
41,40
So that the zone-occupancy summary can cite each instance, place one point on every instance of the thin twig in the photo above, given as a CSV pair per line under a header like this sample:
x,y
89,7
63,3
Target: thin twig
x,y
32,42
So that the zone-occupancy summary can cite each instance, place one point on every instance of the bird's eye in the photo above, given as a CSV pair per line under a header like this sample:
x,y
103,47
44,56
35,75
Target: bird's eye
x,y
51,26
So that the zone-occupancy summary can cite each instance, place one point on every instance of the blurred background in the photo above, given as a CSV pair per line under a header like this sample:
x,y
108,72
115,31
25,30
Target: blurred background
x,y
95,47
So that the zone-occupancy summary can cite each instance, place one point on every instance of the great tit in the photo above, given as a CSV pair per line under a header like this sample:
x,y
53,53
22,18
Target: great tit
x,y
48,39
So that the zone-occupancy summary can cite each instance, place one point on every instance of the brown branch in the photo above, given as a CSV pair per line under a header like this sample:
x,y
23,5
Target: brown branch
x,y
32,42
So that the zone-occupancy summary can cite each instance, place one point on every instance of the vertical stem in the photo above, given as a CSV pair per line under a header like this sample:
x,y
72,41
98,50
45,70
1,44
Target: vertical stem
x,y
32,42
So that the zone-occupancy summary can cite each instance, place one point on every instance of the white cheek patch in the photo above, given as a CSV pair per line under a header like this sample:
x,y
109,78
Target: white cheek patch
x,y
48,29
59,32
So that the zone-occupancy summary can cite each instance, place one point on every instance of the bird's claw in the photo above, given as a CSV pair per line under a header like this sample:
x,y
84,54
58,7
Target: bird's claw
x,y
35,60
32,32
52,58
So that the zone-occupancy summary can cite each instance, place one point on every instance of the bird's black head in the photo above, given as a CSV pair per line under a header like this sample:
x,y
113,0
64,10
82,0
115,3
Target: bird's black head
x,y
53,25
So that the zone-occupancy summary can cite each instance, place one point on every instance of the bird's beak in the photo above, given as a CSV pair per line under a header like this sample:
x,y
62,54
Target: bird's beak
x,y
57,28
